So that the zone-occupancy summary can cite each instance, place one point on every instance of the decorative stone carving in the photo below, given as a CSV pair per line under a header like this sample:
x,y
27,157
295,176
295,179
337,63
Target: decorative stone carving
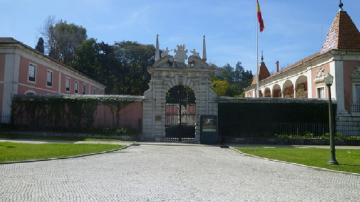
x,y
194,53
195,61
320,75
165,53
180,54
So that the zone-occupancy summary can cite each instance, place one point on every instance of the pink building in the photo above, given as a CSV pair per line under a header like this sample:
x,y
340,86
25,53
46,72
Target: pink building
x,y
25,71
339,56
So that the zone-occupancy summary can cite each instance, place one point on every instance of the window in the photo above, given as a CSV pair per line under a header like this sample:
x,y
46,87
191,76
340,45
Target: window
x,y
49,78
84,89
94,91
67,85
357,94
321,93
76,87
32,72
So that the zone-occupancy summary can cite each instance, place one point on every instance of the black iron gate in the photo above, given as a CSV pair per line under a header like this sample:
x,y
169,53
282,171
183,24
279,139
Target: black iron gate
x,y
180,113
180,121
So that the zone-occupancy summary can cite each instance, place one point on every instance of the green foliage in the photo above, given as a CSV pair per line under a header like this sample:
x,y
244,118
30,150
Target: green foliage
x,y
62,112
236,78
220,86
121,67
40,45
21,151
63,39
134,59
310,138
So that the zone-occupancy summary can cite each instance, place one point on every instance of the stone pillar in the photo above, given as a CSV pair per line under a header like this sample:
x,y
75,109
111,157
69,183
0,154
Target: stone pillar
x,y
337,70
11,80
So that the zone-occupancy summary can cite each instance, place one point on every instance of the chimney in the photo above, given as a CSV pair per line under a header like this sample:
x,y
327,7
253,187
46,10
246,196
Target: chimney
x,y
277,66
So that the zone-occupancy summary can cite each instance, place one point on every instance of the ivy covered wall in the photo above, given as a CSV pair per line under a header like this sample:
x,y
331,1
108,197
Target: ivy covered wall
x,y
76,113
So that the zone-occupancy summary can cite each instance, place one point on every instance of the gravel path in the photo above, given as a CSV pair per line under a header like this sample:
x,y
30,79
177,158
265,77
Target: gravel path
x,y
172,173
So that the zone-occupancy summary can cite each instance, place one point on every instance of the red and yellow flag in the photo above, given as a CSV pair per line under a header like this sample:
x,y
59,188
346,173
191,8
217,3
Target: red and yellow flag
x,y
259,16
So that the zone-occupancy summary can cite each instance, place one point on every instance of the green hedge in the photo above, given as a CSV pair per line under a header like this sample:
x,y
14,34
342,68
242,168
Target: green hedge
x,y
62,112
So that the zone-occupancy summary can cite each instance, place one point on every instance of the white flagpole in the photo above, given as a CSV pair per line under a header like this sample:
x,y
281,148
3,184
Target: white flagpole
x,y
257,60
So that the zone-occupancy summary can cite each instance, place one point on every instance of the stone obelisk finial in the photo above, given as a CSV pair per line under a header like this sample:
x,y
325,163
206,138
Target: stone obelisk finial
x,y
157,51
204,50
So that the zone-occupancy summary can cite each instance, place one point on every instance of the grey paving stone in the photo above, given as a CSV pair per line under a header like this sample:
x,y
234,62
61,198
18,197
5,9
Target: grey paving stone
x,y
172,173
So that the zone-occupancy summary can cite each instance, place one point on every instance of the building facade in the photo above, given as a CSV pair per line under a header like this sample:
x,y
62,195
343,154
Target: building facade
x,y
339,56
25,71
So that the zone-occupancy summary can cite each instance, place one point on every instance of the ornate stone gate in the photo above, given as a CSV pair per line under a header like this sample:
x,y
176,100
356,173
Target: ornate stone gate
x,y
169,71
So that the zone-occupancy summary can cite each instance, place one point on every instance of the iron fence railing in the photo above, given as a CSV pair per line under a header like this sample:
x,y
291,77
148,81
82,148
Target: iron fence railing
x,y
264,129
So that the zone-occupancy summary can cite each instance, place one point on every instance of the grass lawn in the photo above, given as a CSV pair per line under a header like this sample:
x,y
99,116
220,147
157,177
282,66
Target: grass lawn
x,y
349,159
20,151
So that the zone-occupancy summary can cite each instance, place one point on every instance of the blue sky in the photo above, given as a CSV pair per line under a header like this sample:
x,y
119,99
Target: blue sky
x,y
293,29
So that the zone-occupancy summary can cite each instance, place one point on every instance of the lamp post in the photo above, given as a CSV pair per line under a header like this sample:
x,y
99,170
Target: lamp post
x,y
329,79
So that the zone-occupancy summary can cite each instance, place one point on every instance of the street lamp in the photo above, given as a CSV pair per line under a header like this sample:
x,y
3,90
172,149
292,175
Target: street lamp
x,y
329,79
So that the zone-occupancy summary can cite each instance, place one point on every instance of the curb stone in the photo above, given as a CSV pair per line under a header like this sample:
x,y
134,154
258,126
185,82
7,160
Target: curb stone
x,y
66,157
296,164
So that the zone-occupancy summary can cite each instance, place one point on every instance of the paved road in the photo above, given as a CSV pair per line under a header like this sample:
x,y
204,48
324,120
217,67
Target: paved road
x,y
172,173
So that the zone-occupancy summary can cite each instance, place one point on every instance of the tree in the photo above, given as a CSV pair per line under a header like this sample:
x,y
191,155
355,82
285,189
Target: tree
x,y
97,60
121,67
236,80
227,73
134,58
40,45
220,87
63,39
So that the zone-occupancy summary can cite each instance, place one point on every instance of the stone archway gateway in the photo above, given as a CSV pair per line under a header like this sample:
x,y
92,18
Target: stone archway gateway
x,y
168,72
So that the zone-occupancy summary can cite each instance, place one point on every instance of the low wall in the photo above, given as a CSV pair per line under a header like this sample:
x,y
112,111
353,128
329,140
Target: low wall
x,y
76,113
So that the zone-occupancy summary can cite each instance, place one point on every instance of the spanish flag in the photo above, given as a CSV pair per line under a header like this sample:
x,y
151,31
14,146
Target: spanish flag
x,y
259,15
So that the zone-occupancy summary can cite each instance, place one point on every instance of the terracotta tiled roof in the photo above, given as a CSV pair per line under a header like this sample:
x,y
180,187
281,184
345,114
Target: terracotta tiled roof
x,y
343,34
263,73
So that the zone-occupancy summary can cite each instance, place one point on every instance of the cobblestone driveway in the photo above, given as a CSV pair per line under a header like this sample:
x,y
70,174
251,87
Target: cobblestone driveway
x,y
172,173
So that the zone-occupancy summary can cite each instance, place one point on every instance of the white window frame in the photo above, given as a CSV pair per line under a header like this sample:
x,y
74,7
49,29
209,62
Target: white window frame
x,y
67,85
76,87
28,72
52,78
354,94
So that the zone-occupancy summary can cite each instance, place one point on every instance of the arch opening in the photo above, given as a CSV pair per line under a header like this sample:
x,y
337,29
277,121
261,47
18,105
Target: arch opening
x,y
267,92
276,91
301,87
180,112
288,91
